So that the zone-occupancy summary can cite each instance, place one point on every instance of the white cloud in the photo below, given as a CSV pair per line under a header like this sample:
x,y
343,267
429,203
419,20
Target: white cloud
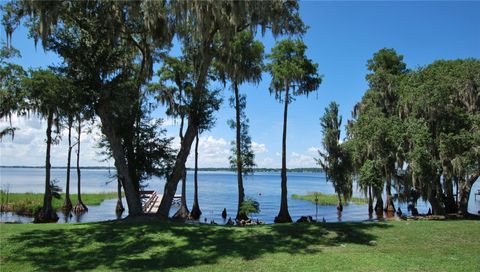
x,y
259,148
212,152
313,150
298,160
28,146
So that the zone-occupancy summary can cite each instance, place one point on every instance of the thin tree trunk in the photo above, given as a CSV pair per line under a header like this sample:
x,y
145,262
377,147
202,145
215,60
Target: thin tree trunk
x,y
67,205
119,208
80,207
47,213
195,214
283,215
118,152
449,201
241,192
370,200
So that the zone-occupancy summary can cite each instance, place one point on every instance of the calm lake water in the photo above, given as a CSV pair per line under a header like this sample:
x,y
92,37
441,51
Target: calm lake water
x,y
217,190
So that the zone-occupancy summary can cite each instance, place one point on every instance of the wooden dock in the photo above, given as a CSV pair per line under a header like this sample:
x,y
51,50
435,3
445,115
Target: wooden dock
x,y
153,200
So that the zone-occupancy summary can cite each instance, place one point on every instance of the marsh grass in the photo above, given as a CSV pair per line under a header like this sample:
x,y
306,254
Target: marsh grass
x,y
28,203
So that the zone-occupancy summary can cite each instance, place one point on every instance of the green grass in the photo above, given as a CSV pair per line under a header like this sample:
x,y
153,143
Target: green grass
x,y
327,200
157,246
28,203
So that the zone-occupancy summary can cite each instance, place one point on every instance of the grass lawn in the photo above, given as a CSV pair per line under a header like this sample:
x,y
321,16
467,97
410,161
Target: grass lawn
x,y
327,200
28,203
157,246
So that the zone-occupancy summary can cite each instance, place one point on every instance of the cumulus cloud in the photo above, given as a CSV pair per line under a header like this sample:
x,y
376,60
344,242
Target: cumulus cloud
x,y
212,152
298,160
259,148
28,146
313,150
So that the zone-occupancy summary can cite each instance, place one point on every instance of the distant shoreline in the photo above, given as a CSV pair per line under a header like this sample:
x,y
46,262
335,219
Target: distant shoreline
x,y
214,169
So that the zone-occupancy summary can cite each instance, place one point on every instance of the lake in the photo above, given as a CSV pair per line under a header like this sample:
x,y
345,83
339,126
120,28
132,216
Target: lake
x,y
217,190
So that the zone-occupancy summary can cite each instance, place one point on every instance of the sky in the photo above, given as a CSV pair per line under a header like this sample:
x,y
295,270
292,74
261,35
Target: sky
x,y
342,36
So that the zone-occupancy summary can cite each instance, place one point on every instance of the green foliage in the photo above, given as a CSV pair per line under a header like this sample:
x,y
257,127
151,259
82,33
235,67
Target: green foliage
x,y
290,68
328,199
249,206
29,203
418,127
12,96
335,160
241,60
247,156
371,175
55,190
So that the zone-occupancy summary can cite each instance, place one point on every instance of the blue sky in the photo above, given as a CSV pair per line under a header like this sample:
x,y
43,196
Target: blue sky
x,y
341,38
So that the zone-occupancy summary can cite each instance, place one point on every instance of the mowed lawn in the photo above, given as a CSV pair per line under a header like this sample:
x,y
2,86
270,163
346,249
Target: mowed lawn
x,y
160,246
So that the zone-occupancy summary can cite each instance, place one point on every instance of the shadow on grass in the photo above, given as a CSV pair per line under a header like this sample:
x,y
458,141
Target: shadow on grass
x,y
157,245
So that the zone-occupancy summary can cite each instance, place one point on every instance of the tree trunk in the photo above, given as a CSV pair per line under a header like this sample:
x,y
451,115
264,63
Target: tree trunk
x,y
177,173
339,206
435,198
465,189
449,201
379,204
47,213
192,129
370,200
241,192
183,212
118,153
195,214
80,207
283,215
119,208
437,208
389,207
67,205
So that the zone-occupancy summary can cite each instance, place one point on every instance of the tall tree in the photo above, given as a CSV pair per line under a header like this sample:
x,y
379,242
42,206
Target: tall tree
x,y
176,97
44,89
242,157
293,72
335,160
241,62
203,106
208,26
80,207
69,109
387,68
